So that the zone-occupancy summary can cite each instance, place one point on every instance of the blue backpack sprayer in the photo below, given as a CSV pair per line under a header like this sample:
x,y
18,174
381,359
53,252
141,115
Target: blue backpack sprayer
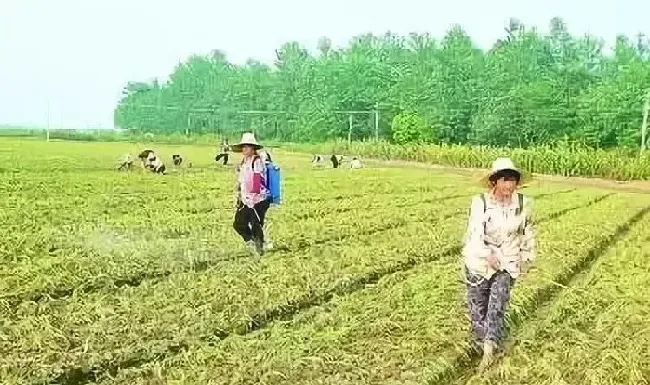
x,y
272,182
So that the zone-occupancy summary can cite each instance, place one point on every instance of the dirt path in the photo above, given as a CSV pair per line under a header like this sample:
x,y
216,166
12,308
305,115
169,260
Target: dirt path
x,y
636,186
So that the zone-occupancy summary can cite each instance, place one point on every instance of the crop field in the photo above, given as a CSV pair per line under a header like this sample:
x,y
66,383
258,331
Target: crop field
x,y
132,278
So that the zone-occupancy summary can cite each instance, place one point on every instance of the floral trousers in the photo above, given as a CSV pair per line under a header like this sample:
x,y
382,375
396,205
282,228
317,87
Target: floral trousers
x,y
487,301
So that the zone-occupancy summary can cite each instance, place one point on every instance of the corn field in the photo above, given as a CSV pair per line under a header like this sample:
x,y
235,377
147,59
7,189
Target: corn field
x,y
570,160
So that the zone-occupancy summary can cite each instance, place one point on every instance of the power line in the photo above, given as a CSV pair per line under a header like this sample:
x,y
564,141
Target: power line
x,y
245,112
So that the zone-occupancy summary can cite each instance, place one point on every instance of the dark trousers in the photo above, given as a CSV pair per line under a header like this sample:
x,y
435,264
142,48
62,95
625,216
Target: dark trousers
x,y
125,165
249,221
487,300
224,156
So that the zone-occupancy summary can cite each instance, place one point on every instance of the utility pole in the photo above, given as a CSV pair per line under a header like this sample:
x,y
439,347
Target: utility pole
x,y
47,127
644,124
350,128
377,121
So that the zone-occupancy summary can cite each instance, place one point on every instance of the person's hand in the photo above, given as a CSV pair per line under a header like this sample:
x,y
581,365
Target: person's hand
x,y
525,267
493,261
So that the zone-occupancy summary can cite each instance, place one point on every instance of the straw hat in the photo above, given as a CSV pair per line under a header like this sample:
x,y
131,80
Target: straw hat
x,y
246,138
504,166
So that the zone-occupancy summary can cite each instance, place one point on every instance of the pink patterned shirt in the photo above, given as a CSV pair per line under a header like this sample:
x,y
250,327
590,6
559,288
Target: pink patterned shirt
x,y
245,181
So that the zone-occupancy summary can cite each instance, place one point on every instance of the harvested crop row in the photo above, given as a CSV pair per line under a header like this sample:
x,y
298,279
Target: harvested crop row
x,y
596,332
104,259
92,330
572,252
401,331
151,317
39,224
102,255
59,191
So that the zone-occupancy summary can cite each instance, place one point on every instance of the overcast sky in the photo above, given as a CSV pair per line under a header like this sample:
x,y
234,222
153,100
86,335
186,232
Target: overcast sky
x,y
80,53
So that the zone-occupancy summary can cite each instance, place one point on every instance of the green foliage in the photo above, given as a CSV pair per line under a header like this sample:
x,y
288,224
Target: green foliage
x,y
529,89
409,127
564,158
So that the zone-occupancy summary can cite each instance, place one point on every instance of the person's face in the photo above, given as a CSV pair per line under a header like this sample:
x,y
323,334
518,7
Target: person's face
x,y
247,150
506,185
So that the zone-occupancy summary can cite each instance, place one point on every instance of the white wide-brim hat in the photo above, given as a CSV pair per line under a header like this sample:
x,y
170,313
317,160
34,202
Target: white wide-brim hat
x,y
247,138
502,165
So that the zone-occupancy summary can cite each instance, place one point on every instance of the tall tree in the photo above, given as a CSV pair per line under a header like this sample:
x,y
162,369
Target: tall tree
x,y
527,89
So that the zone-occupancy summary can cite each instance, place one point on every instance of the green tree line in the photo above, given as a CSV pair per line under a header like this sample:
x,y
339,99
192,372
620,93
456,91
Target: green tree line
x,y
527,89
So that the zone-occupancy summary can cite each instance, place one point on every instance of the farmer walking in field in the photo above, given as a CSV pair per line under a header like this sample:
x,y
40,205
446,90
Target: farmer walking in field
x,y
225,148
265,155
252,195
499,246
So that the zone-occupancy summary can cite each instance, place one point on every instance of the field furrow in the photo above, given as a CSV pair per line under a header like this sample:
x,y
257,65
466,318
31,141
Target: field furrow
x,y
595,332
103,259
101,330
131,278
580,247
407,329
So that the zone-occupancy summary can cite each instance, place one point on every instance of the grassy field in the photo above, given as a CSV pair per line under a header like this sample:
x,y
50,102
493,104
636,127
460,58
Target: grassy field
x,y
133,278
564,158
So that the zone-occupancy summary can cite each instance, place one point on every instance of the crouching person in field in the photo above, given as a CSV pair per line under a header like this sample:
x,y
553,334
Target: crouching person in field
x,y
178,161
157,165
317,160
126,162
499,247
252,197
336,160
355,163
146,157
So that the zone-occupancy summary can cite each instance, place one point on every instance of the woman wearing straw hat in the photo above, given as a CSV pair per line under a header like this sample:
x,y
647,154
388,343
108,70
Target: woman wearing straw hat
x,y
252,195
499,246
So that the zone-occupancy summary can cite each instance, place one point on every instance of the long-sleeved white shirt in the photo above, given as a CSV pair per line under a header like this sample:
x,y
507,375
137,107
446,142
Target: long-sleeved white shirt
x,y
355,163
498,230
157,163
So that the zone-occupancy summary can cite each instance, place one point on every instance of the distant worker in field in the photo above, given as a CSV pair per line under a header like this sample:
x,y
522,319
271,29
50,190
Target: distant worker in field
x,y
126,162
252,195
499,246
355,163
145,158
336,160
265,155
156,164
317,160
177,160
223,152
152,162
